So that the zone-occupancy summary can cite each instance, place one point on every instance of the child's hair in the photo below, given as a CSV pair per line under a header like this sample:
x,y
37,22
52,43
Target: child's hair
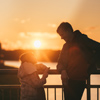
x,y
26,57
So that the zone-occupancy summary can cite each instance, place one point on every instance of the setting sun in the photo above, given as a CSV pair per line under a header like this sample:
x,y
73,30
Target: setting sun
x,y
37,44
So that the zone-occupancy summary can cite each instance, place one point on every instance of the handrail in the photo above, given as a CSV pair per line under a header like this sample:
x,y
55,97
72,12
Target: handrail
x,y
51,72
15,71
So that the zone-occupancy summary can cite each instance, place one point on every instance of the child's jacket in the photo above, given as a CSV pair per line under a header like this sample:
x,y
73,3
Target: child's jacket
x,y
31,84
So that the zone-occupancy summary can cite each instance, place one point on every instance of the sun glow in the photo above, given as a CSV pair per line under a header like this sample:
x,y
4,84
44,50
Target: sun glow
x,y
37,44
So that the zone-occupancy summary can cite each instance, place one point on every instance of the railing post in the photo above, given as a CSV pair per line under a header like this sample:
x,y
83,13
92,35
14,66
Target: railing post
x,y
88,89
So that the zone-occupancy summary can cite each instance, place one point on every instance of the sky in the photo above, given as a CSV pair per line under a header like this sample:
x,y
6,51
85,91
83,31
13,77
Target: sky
x,y
22,22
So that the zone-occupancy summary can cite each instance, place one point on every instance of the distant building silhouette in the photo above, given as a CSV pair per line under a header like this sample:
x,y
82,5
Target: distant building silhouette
x,y
1,57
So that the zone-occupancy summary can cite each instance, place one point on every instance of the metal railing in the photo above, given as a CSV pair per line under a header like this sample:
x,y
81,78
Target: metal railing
x,y
47,87
17,88
89,86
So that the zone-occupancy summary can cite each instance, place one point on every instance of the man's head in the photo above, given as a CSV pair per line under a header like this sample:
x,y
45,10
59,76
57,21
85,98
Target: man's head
x,y
65,30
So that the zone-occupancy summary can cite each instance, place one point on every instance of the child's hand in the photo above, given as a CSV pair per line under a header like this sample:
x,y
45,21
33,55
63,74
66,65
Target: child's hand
x,y
45,74
41,67
47,69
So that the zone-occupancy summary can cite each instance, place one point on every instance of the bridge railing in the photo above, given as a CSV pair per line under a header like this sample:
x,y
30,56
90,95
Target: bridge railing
x,y
47,87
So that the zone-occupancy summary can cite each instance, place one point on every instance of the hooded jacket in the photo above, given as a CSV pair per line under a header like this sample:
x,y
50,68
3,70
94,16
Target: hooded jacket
x,y
31,84
77,56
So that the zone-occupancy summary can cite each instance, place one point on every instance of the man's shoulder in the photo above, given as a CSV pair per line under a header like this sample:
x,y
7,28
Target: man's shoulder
x,y
78,34
80,37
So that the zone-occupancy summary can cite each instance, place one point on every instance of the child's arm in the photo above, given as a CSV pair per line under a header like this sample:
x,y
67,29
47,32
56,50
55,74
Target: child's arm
x,y
36,81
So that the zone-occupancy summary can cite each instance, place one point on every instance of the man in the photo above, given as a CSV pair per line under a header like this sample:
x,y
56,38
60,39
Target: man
x,y
76,59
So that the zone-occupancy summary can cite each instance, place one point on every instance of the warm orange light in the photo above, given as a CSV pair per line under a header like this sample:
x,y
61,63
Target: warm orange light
x,y
37,44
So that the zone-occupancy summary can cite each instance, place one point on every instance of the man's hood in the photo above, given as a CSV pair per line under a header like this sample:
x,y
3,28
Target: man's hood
x,y
78,35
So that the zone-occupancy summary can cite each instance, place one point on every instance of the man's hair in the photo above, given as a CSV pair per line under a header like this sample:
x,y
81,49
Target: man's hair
x,y
65,26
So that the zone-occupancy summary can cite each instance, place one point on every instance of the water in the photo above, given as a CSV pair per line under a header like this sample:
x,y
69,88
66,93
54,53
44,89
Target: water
x,y
55,80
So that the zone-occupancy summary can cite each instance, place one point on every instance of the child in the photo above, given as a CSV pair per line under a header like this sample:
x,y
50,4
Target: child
x,y
31,84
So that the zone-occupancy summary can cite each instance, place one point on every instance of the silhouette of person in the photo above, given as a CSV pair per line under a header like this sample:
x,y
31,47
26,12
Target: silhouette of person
x,y
76,59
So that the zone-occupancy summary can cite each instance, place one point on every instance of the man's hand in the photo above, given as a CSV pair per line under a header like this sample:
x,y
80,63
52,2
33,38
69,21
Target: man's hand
x,y
64,77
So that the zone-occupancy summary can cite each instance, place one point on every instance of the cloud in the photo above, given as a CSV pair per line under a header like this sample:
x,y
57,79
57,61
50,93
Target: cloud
x,y
26,40
52,25
91,28
16,19
23,35
38,35
9,45
22,20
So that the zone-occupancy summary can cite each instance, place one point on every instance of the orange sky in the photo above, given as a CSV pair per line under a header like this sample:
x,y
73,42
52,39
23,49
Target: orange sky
x,y
24,21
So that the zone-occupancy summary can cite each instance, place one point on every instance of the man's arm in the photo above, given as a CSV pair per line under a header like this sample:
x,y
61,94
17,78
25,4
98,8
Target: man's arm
x,y
61,67
64,77
61,64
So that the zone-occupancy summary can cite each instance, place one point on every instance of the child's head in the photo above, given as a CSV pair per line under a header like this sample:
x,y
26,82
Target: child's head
x,y
28,57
